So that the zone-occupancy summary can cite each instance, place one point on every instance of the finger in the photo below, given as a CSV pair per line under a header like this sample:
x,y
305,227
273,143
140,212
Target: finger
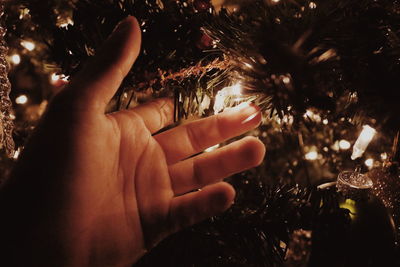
x,y
189,139
101,77
211,167
195,207
156,114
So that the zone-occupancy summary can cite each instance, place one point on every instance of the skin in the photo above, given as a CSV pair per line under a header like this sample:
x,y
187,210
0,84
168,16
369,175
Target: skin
x,y
96,189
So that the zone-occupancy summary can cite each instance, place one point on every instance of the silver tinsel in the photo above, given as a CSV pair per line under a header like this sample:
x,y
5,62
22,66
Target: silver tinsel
x,y
6,123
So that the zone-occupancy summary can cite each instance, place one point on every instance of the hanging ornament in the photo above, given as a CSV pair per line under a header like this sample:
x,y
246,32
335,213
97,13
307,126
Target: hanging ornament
x,y
386,187
354,184
6,123
202,5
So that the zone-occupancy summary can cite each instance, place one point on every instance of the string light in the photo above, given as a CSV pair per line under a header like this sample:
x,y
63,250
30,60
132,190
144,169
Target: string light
x,y
344,144
54,78
363,141
22,99
68,22
312,154
30,46
223,96
312,5
15,59
369,163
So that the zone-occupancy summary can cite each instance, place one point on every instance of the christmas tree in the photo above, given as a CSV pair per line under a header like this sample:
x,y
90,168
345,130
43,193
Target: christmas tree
x,y
325,74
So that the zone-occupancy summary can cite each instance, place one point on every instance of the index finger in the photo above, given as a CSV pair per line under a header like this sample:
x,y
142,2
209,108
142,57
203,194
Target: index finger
x,y
101,77
186,140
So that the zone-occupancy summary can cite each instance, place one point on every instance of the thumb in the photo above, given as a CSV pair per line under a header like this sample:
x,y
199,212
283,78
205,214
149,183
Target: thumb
x,y
100,78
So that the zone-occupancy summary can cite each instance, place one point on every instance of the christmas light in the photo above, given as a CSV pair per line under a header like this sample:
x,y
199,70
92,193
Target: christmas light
x,y
363,141
325,121
312,5
312,155
344,144
223,96
28,45
16,153
22,99
15,59
369,163
68,22
54,78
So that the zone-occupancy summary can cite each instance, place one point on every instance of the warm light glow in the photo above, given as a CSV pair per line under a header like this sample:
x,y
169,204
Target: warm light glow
x,y
312,116
344,144
68,22
55,77
223,96
212,148
15,59
325,121
16,153
312,155
28,45
312,5
22,99
369,163
286,80
384,156
363,141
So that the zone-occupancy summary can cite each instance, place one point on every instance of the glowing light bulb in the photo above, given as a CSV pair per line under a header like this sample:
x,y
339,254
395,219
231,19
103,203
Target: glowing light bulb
x,y
363,141
312,154
286,80
224,95
384,156
55,77
344,144
15,59
28,45
369,163
16,153
325,121
312,5
22,99
68,22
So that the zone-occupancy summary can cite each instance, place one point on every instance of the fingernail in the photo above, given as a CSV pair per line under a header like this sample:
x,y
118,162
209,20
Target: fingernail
x,y
122,26
247,111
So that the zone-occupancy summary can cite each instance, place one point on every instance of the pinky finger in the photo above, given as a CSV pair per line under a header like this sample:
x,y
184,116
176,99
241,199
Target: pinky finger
x,y
195,207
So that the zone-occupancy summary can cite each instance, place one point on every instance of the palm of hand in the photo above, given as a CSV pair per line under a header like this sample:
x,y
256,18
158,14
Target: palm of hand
x,y
120,188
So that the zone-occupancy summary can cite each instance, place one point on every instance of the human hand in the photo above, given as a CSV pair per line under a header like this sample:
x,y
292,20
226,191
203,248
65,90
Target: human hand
x,y
96,189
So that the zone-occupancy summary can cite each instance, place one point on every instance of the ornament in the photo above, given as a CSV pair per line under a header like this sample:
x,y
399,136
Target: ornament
x,y
386,187
202,5
353,184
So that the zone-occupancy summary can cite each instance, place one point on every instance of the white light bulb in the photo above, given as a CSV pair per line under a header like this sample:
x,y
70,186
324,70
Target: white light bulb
x,y
28,45
15,59
363,141
344,144
312,155
22,99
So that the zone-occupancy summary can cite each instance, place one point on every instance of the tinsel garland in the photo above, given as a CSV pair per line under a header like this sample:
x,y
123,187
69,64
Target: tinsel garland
x,y
6,123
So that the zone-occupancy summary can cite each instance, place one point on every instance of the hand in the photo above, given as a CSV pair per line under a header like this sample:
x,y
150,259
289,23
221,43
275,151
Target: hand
x,y
96,189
